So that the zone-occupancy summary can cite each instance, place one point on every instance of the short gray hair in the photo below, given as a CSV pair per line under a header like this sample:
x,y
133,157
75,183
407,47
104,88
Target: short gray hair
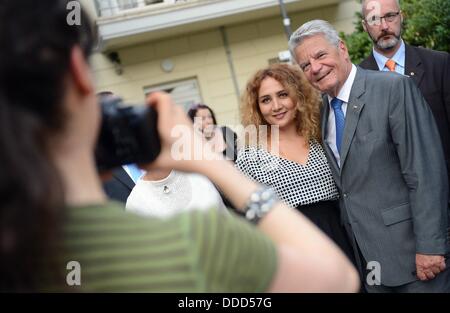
x,y
313,28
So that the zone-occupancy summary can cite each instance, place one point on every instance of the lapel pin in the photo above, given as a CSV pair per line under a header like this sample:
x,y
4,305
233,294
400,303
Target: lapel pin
x,y
355,106
412,73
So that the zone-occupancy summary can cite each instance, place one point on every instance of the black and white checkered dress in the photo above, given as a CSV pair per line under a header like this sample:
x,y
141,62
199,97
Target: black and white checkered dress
x,y
309,188
295,183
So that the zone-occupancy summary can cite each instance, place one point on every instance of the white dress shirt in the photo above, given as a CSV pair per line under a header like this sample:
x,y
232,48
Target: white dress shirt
x,y
344,95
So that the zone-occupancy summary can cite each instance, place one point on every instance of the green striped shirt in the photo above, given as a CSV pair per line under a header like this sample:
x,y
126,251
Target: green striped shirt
x,y
196,251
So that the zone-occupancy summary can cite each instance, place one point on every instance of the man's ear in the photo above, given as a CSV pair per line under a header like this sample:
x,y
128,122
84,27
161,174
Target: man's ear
x,y
343,50
80,71
364,25
342,46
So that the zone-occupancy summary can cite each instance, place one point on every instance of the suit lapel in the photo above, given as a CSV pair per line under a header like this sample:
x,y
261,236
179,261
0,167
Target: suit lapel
x,y
370,63
324,123
121,175
413,65
354,108
324,116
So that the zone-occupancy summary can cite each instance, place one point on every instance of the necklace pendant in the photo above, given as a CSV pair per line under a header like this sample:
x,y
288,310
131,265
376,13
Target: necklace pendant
x,y
166,190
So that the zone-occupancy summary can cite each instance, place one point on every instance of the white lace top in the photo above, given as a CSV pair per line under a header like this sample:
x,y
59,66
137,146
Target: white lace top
x,y
176,193
295,183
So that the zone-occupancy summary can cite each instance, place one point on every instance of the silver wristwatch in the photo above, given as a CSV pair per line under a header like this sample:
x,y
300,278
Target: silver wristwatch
x,y
260,203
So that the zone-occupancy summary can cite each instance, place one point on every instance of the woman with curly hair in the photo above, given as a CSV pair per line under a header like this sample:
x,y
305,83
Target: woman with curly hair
x,y
284,109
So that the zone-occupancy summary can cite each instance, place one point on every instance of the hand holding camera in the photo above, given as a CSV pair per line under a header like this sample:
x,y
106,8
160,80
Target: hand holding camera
x,y
128,134
171,116
144,135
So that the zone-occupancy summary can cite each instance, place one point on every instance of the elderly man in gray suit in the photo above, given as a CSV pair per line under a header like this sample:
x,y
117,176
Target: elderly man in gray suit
x,y
380,139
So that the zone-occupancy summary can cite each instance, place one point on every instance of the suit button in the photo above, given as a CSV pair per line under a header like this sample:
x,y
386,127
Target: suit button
x,y
345,195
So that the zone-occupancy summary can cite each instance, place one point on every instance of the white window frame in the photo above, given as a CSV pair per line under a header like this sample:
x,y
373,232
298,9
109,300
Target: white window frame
x,y
171,86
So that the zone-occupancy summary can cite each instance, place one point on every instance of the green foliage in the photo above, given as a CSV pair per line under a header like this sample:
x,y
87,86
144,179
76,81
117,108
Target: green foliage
x,y
426,24
358,43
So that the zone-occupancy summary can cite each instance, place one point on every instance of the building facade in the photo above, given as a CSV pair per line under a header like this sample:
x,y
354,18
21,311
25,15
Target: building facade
x,y
199,50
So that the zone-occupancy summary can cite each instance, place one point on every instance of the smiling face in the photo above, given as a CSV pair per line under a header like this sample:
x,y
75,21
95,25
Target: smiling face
x,y
275,103
325,66
384,34
206,122
206,118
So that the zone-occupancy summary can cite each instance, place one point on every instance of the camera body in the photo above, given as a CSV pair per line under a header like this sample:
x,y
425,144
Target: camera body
x,y
128,134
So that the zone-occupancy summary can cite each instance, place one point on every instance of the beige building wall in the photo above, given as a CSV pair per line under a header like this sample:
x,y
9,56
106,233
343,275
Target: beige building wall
x,y
203,56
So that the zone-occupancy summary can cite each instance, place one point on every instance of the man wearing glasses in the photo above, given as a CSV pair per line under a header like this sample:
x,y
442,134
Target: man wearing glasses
x,y
430,70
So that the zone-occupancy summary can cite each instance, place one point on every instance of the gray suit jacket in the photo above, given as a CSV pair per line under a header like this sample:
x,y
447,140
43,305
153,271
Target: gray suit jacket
x,y
430,70
392,179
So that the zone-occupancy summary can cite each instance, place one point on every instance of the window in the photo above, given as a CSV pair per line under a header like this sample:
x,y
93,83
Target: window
x,y
112,7
283,57
185,93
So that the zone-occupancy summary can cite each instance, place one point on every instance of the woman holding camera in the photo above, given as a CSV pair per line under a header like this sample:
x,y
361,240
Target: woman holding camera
x,y
54,209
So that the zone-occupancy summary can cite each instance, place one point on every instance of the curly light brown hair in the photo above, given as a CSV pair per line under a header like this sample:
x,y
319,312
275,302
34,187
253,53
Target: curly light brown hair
x,y
300,91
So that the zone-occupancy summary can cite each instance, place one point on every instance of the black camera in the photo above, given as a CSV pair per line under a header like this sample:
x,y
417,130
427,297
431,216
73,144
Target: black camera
x,y
128,134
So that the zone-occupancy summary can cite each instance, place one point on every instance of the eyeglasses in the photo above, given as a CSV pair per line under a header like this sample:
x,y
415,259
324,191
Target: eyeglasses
x,y
376,20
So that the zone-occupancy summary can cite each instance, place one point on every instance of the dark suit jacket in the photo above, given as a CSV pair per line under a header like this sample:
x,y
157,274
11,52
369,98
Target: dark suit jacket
x,y
430,70
120,186
392,179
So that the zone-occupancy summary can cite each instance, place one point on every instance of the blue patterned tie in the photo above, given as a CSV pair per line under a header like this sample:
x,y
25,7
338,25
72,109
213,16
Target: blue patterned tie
x,y
339,118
